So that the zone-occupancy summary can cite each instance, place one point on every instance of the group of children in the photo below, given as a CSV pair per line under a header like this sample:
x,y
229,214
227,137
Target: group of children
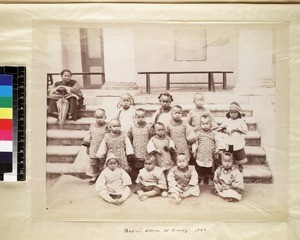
x,y
176,153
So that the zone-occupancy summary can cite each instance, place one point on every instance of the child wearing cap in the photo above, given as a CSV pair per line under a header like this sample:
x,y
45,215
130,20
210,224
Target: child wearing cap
x,y
151,180
234,129
228,181
112,184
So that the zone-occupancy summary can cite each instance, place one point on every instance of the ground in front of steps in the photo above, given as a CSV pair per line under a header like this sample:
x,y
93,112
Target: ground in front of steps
x,y
75,199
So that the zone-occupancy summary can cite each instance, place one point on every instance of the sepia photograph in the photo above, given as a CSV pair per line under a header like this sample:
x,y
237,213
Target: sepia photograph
x,y
156,119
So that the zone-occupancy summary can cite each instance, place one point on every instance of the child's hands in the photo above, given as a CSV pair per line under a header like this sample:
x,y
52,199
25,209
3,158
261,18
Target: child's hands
x,y
88,151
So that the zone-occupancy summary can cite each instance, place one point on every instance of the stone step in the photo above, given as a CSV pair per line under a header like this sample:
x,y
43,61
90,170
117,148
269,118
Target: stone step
x,y
84,123
67,154
218,110
98,96
251,173
75,137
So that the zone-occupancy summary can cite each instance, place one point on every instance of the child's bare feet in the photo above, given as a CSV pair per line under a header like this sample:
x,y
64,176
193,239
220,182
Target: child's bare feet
x,y
178,200
114,201
120,200
143,197
93,180
184,195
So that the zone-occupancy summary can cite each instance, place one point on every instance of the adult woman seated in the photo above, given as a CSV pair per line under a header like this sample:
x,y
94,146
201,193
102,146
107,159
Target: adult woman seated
x,y
69,89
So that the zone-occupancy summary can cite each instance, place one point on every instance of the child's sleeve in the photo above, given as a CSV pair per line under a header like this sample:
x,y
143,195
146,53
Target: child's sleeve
x,y
171,180
216,175
171,143
87,139
189,117
242,127
129,134
155,116
125,178
100,183
102,150
214,124
150,146
139,177
161,180
219,142
237,182
190,135
128,146
194,178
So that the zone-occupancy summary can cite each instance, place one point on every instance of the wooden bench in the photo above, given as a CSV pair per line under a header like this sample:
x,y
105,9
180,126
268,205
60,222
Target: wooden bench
x,y
50,76
211,82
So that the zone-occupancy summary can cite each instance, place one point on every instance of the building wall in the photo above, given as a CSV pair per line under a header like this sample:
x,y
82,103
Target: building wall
x,y
154,49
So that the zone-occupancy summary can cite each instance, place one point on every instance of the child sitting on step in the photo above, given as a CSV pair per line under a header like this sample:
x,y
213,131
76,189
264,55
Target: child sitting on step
x,y
92,142
151,180
234,129
164,113
126,112
183,180
112,184
196,113
228,181
117,143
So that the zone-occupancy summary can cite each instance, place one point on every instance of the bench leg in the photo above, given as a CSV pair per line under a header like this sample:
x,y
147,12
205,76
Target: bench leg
x,y
211,82
224,81
148,83
168,82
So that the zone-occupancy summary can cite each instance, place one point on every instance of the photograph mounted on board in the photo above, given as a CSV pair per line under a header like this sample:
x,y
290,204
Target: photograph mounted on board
x,y
164,121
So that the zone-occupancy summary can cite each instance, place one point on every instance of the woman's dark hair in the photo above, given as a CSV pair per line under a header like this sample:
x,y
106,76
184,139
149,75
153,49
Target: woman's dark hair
x,y
65,70
167,95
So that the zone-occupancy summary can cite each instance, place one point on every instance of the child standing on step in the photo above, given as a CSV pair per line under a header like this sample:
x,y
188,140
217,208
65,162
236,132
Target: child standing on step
x,y
206,149
117,143
234,129
162,147
164,113
139,134
180,132
126,112
151,180
228,181
112,184
196,113
92,142
183,180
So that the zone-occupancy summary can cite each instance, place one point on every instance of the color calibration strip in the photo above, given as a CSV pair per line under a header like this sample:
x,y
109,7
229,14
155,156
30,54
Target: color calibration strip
x,y
15,126
6,124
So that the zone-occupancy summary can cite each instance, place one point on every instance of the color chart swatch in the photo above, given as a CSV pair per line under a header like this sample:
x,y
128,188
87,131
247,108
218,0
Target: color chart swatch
x,y
12,123
6,123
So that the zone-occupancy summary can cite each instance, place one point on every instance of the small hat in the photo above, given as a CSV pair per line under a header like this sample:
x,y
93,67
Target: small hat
x,y
110,156
235,106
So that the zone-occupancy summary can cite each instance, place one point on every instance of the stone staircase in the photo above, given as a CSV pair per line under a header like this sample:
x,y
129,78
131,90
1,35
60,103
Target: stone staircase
x,y
63,145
